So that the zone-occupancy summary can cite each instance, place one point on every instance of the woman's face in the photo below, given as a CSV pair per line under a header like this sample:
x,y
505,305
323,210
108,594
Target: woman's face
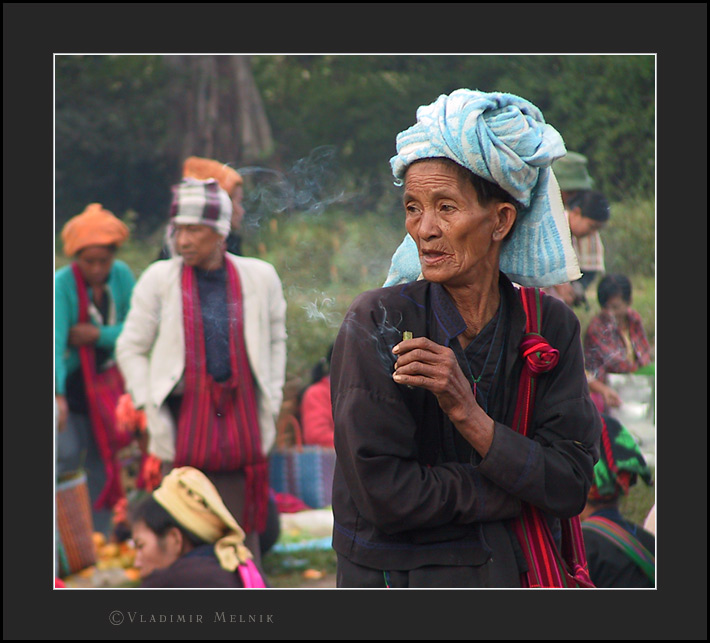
x,y
95,264
153,552
200,246
581,226
456,236
617,308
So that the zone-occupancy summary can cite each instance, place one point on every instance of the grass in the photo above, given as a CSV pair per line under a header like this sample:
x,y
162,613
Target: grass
x,y
286,569
636,505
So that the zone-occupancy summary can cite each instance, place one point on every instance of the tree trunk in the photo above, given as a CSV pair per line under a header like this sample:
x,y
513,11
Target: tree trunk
x,y
218,111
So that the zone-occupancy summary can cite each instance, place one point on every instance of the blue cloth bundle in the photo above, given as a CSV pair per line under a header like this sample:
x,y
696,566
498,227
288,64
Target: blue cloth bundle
x,y
504,139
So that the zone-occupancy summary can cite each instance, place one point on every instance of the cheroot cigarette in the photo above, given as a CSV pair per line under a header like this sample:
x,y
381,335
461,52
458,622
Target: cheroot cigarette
x,y
407,334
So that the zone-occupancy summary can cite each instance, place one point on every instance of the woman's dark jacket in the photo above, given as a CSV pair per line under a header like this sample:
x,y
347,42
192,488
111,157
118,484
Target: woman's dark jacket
x,y
198,568
408,490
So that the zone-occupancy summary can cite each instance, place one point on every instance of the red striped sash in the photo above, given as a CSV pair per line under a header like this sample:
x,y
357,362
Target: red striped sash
x,y
102,392
547,566
218,426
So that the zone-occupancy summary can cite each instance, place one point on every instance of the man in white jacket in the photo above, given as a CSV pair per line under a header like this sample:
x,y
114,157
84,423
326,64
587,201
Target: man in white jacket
x,y
203,354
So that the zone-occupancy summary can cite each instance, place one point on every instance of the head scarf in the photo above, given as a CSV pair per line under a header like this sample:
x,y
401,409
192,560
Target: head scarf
x,y
93,227
202,203
192,500
620,464
195,167
504,139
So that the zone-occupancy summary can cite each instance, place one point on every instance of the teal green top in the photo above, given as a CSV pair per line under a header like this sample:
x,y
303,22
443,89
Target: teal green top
x,y
66,314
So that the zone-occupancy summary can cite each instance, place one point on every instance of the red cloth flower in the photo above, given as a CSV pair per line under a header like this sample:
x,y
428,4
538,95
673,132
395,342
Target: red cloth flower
x,y
539,356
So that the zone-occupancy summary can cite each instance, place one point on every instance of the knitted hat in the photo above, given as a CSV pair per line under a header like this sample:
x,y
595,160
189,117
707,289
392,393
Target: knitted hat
x,y
571,172
620,463
198,168
192,500
93,227
202,203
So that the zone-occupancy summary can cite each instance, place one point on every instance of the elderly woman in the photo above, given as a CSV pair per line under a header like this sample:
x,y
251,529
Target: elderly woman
x,y
203,353
430,475
92,297
185,537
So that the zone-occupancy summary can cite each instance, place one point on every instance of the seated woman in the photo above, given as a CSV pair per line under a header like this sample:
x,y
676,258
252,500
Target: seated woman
x,y
185,537
615,341
316,408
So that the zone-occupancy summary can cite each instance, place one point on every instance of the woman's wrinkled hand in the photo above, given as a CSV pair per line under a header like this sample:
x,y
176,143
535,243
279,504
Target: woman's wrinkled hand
x,y
425,364
83,334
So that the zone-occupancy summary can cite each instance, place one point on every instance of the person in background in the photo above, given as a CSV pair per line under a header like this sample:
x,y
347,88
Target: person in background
x,y
203,354
588,212
573,179
231,182
619,552
185,537
316,407
92,296
615,340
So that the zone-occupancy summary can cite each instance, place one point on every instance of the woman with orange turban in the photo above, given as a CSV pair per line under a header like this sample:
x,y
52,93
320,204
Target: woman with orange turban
x,y
92,297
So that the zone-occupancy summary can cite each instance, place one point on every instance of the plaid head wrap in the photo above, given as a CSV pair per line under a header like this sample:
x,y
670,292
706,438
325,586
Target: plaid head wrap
x,y
620,464
195,167
202,203
93,227
192,500
503,139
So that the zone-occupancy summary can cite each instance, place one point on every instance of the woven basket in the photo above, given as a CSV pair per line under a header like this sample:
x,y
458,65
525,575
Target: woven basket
x,y
303,471
75,527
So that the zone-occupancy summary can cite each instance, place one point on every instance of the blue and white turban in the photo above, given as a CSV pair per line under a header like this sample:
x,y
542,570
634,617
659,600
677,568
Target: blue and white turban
x,y
504,139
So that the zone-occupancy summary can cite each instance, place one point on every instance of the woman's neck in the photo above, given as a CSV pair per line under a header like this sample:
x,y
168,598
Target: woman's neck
x,y
477,304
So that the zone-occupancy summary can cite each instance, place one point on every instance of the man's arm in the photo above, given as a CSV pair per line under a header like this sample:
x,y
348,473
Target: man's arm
x,y
277,322
136,340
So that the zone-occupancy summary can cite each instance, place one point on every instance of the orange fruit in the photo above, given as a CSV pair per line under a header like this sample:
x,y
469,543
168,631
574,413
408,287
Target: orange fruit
x,y
132,574
109,551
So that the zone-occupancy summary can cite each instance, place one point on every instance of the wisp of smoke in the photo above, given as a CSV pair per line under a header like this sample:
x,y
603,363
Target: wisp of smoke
x,y
383,339
318,311
308,186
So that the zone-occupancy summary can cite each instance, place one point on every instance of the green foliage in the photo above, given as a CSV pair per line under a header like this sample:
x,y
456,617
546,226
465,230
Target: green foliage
x,y
630,238
118,140
324,261
110,135
602,105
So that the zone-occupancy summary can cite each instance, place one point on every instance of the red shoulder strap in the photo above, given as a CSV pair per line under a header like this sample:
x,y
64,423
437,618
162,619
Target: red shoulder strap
x,y
547,567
